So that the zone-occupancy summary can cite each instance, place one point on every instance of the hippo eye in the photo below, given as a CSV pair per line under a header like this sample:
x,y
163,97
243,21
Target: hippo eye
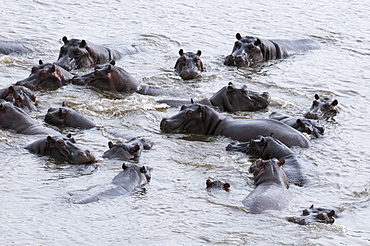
x,y
43,73
189,113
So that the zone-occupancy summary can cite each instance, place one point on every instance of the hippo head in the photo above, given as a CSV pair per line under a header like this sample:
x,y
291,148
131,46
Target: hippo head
x,y
130,150
322,108
20,96
189,65
233,98
311,215
310,127
73,54
46,76
144,171
246,52
269,171
217,185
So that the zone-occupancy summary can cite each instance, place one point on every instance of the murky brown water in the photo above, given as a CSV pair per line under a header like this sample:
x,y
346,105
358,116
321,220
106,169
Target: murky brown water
x,y
175,209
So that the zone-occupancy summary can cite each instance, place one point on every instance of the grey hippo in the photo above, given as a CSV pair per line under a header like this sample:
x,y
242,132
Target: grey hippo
x,y
217,184
125,183
271,192
17,48
16,119
318,215
269,147
46,76
113,78
201,119
130,150
322,108
61,149
20,96
249,50
230,98
311,127
67,117
189,65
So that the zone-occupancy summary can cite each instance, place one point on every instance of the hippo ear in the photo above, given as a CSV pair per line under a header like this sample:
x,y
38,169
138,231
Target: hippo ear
x,y
199,53
143,169
226,186
230,83
113,62
257,42
272,135
311,206
331,213
245,88
191,101
334,103
62,112
52,69
50,139
238,36
317,97
11,89
69,135
83,43
181,52
110,144
63,104
134,149
209,183
1,106
40,62
230,87
124,166
299,122
65,40
281,162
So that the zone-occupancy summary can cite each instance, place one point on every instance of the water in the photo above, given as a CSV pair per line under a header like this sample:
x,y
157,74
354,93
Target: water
x,y
175,208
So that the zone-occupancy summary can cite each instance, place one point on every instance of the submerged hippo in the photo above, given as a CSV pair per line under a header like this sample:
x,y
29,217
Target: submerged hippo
x,y
271,192
67,117
201,119
15,47
189,65
312,215
231,98
308,126
16,119
269,147
322,108
20,96
113,78
61,149
217,184
130,150
46,76
77,53
132,177
248,50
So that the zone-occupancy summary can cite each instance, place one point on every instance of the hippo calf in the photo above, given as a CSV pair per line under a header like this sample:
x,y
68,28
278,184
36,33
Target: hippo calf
x,y
130,150
46,76
201,119
20,96
61,149
77,53
189,65
271,192
67,117
132,177
308,126
269,147
248,51
16,119
322,108
312,215
230,98
217,184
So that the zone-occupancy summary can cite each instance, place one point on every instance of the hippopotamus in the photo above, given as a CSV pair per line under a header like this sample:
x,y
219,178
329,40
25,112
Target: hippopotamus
x,y
131,178
15,47
311,215
16,119
46,76
189,65
114,78
311,127
248,50
20,96
322,108
230,98
130,150
67,117
201,119
217,184
77,53
61,149
271,192
269,147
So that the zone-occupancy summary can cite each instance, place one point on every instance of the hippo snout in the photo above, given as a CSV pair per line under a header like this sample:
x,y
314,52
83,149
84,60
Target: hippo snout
x,y
83,157
188,74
